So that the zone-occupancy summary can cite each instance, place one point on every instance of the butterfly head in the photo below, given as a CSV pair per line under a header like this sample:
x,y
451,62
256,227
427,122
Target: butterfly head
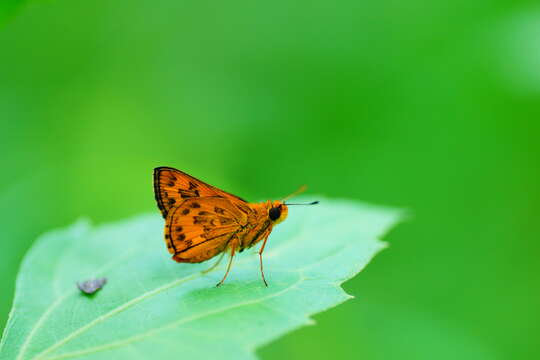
x,y
277,211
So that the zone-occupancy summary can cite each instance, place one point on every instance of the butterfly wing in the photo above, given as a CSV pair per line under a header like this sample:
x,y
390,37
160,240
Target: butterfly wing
x,y
197,229
172,186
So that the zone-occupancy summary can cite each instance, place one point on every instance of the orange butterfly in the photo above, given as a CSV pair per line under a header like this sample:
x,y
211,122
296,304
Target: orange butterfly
x,y
202,221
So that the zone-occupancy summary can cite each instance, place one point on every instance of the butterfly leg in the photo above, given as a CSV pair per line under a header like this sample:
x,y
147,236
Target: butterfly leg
x,y
215,264
260,257
234,244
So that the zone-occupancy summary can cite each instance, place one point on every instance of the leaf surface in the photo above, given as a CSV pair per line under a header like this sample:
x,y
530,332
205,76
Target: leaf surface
x,y
152,307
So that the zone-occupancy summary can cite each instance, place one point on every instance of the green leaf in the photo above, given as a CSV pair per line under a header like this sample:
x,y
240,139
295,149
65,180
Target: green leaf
x,y
152,307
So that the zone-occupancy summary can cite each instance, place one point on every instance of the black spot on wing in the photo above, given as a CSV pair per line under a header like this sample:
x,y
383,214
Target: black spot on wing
x,y
225,220
185,194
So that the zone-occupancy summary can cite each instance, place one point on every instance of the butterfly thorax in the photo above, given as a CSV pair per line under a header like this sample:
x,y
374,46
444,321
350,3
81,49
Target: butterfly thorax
x,y
261,219
257,226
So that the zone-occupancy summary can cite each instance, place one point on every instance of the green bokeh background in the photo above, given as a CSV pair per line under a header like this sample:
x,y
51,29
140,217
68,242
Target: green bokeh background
x,y
428,105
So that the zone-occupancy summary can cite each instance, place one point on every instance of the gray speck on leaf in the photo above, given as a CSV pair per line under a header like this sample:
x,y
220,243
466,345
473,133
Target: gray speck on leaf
x,y
92,285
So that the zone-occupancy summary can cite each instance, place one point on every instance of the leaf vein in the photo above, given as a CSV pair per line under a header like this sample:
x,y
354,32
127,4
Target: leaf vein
x,y
183,321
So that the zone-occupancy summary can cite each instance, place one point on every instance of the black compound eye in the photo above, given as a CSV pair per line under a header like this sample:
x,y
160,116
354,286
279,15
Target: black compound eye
x,y
274,213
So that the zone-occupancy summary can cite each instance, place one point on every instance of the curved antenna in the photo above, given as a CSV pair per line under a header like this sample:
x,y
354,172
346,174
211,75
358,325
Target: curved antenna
x,y
297,192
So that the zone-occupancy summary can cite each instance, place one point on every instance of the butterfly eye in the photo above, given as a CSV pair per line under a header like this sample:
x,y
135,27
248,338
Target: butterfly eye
x,y
274,213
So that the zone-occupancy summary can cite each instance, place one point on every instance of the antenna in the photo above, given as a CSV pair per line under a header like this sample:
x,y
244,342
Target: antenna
x,y
311,203
297,192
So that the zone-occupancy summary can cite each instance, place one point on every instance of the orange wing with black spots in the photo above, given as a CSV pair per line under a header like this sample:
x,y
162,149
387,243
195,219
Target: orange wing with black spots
x,y
202,221
197,229
172,186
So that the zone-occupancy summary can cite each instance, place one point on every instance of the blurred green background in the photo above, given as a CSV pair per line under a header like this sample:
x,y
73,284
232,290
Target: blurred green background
x,y
429,105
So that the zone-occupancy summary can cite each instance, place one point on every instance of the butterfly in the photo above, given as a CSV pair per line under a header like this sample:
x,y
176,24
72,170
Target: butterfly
x,y
202,221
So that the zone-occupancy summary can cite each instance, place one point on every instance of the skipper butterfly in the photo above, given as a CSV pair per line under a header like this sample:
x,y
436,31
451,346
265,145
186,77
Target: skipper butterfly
x,y
202,221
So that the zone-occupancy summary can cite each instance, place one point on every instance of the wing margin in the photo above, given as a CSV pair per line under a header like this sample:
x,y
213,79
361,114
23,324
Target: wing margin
x,y
172,185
